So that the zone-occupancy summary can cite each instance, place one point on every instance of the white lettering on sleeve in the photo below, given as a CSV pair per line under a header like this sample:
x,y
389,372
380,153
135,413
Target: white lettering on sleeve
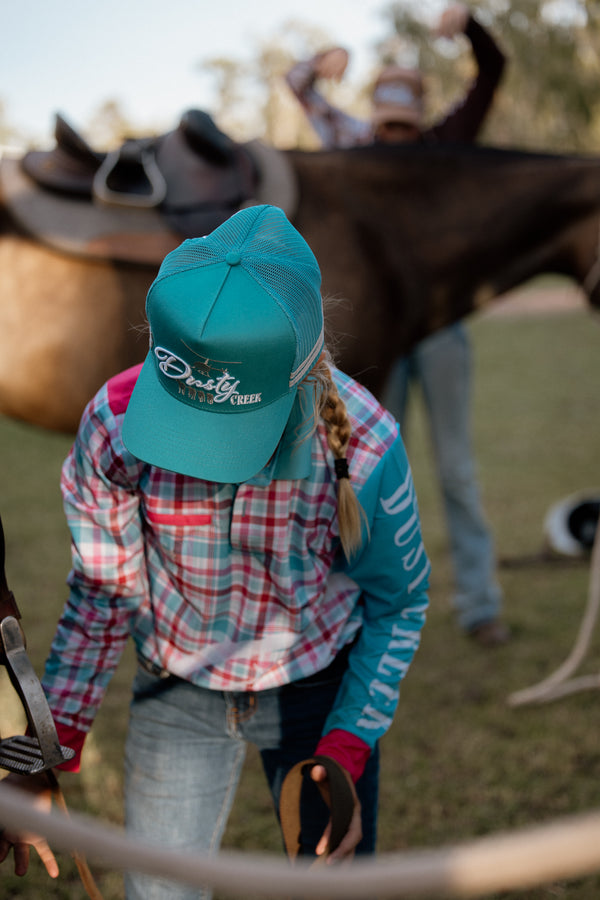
x,y
401,498
402,641
380,687
375,719
388,663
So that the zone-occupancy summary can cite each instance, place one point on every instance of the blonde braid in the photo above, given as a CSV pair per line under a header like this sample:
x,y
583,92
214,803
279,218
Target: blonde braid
x,y
332,409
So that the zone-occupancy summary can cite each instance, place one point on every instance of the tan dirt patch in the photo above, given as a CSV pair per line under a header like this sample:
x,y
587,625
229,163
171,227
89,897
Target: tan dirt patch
x,y
534,300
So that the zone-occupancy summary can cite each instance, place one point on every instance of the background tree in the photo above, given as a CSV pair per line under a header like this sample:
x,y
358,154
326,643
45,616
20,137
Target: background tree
x,y
9,135
109,126
550,96
229,77
252,99
549,99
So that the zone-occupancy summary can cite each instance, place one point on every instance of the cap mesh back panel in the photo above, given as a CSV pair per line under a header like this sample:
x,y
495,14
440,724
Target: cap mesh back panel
x,y
277,257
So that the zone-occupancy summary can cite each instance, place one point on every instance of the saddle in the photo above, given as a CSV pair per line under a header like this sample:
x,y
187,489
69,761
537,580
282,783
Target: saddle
x,y
137,203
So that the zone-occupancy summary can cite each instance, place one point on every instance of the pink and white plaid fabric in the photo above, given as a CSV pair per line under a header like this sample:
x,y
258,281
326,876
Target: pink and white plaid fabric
x,y
232,587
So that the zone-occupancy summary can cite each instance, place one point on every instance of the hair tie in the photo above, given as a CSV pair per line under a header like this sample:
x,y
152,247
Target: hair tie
x,y
341,468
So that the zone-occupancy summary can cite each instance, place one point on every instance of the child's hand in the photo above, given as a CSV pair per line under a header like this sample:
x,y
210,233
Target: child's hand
x,y
347,846
38,787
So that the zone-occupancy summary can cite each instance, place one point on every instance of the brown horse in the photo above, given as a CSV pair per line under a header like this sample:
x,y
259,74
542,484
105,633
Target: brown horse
x,y
409,239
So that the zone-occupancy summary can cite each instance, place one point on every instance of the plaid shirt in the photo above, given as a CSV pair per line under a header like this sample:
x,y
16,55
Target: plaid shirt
x,y
238,587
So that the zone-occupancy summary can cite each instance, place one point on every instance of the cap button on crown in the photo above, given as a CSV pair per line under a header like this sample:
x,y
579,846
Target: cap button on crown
x,y
233,258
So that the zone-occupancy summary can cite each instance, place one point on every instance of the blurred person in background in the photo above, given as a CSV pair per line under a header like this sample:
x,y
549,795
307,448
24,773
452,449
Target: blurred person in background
x,y
441,364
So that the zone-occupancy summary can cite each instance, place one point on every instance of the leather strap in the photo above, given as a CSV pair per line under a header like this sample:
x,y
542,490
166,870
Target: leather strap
x,y
342,803
8,604
87,879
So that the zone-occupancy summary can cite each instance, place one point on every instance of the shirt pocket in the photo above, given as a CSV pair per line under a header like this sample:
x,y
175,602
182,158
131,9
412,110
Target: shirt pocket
x,y
178,536
179,520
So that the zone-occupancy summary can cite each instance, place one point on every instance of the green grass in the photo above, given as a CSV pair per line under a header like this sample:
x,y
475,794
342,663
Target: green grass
x,y
458,761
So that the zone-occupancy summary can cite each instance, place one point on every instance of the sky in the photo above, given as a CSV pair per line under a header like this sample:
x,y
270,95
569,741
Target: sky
x,y
72,55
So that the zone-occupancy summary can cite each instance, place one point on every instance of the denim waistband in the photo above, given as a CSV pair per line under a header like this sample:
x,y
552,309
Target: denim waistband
x,y
336,667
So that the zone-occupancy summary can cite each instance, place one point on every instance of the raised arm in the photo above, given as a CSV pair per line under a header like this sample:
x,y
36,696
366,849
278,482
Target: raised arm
x,y
333,127
465,120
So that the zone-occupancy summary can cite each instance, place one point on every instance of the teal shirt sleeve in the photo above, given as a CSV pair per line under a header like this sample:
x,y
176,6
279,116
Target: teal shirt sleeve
x,y
392,571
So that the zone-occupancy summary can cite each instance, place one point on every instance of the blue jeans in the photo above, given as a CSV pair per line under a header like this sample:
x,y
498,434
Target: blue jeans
x,y
441,364
184,754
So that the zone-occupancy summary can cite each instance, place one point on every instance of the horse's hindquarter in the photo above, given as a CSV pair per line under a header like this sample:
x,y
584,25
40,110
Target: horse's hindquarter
x,y
66,325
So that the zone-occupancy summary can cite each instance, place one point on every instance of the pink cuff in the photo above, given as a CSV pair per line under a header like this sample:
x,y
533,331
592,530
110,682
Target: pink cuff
x,y
73,738
347,749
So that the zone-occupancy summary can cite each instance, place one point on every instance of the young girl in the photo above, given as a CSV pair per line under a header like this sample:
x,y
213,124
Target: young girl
x,y
245,512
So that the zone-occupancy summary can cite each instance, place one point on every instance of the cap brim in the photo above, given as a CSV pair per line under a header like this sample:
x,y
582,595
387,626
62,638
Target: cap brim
x,y
164,432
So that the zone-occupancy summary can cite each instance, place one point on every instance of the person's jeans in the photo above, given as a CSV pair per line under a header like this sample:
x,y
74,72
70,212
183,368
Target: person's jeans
x,y
184,754
442,366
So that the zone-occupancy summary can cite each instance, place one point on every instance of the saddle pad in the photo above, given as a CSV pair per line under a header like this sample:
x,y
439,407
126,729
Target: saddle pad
x,y
80,228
